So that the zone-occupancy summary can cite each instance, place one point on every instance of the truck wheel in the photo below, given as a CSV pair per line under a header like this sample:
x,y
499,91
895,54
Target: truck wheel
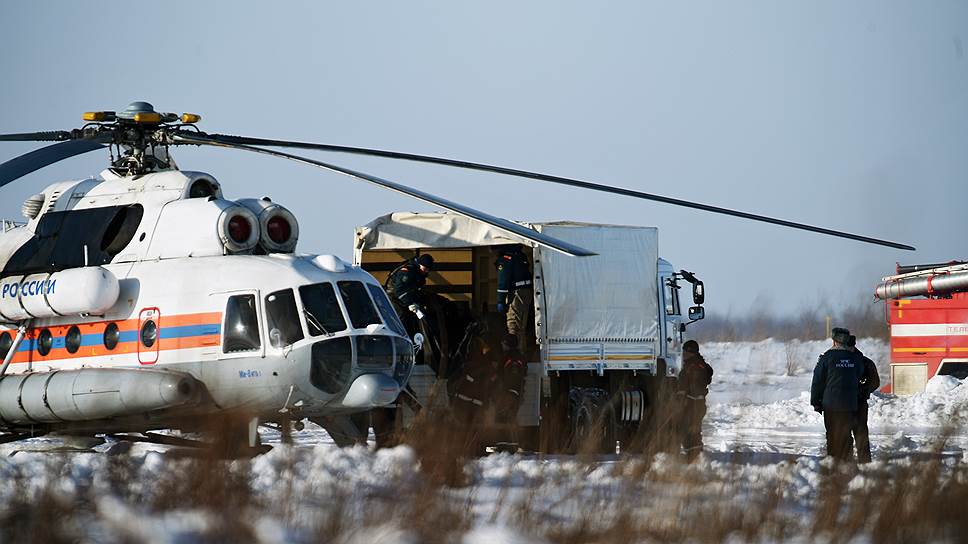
x,y
590,422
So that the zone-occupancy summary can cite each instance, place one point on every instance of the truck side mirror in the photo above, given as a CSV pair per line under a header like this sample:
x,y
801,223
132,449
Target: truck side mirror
x,y
696,313
698,294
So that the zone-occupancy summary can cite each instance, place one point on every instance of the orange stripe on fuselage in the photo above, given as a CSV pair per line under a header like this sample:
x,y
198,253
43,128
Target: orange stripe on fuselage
x,y
210,318
127,325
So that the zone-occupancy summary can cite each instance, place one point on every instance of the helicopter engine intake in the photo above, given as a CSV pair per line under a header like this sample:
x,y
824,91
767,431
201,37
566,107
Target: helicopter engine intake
x,y
278,228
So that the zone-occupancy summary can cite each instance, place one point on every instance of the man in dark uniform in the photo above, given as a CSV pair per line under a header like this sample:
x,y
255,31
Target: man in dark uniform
x,y
691,389
870,382
473,389
513,372
514,291
835,392
405,287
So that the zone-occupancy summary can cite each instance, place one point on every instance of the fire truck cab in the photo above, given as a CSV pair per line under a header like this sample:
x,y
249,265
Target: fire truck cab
x,y
927,311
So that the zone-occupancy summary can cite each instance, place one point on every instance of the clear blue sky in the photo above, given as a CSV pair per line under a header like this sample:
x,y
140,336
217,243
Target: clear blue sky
x,y
850,115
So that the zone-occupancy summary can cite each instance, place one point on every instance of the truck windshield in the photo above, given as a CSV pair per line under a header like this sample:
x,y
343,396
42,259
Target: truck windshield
x,y
323,315
358,304
386,309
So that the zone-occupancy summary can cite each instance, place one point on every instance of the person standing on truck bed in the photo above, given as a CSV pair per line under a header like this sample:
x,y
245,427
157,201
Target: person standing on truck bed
x,y
405,287
870,382
835,393
691,389
514,291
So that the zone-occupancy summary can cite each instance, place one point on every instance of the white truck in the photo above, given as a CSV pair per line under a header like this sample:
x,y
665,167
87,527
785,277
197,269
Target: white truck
x,y
607,329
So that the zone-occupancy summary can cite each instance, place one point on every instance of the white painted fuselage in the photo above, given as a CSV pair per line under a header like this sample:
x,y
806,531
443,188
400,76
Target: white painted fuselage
x,y
275,335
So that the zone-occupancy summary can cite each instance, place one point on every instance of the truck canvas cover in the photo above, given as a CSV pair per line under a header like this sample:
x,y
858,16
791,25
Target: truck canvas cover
x,y
592,312
610,297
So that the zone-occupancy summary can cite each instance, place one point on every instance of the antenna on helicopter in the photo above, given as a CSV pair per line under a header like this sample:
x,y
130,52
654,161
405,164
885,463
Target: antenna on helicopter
x,y
145,136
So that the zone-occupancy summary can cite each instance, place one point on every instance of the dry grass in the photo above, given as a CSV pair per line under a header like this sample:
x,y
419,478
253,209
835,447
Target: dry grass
x,y
638,497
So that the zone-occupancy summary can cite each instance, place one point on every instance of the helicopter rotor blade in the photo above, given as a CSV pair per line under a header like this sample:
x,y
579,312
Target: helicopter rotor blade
x,y
45,156
503,224
555,179
47,136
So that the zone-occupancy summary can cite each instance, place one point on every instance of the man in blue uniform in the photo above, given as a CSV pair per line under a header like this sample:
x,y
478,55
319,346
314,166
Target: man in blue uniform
x,y
514,293
405,287
835,392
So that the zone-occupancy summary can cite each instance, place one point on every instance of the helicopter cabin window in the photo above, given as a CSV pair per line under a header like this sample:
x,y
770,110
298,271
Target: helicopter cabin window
x,y
323,315
149,333
390,316
358,304
112,335
241,325
73,339
283,318
671,298
44,342
5,342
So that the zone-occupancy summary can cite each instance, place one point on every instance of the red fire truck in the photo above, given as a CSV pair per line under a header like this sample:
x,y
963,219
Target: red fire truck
x,y
927,310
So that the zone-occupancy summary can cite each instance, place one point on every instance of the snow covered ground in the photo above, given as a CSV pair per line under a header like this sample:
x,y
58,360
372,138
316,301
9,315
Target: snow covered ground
x,y
760,401
763,456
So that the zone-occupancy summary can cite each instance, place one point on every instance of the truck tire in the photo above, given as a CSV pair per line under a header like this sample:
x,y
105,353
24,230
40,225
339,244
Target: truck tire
x,y
591,421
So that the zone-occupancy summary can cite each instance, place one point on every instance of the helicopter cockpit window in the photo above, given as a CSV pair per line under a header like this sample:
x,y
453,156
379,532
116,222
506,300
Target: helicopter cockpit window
x,y
75,238
390,316
283,318
322,311
358,304
241,325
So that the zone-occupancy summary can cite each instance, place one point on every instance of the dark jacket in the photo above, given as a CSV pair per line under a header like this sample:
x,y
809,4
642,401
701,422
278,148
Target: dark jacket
x,y
836,381
478,380
405,282
695,376
513,272
871,380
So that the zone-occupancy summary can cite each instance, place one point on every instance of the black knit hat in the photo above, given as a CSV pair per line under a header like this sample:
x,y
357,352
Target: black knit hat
x,y
426,260
840,335
691,346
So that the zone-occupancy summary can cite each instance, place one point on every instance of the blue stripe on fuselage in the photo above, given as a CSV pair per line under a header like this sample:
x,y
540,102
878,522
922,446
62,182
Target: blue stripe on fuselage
x,y
185,331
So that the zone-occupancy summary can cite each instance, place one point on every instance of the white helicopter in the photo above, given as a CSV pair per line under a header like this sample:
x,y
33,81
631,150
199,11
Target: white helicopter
x,y
142,299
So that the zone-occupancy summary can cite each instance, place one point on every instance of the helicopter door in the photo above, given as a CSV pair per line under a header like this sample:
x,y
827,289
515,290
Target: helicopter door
x,y
149,338
241,326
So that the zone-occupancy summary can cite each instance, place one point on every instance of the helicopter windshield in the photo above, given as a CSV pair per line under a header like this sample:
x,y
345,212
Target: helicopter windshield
x,y
323,315
358,304
386,309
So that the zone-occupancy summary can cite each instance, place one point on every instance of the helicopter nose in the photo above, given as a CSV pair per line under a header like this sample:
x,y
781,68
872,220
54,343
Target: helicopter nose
x,y
370,391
